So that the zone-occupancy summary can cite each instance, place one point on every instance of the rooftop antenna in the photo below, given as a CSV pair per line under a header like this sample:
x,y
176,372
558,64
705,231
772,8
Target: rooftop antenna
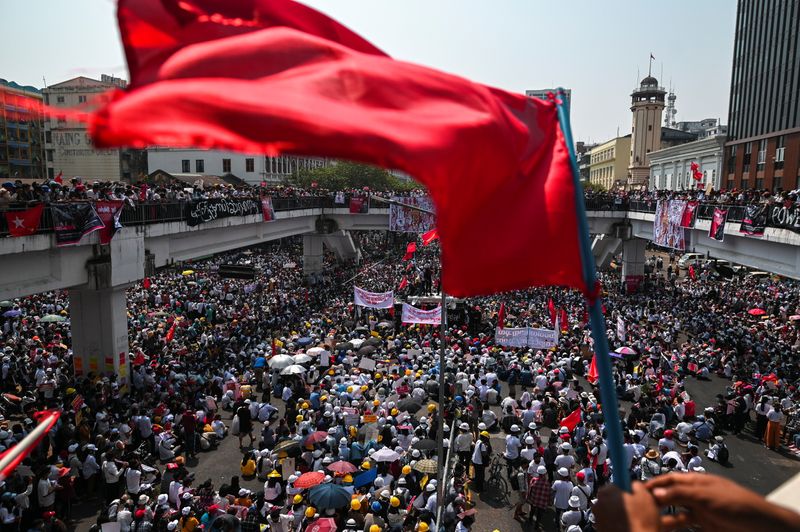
x,y
650,66
44,81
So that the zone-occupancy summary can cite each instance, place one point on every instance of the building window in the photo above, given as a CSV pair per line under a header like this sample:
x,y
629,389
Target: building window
x,y
199,166
762,154
185,166
649,127
50,156
780,152
48,137
249,165
60,99
777,183
226,166
732,160
729,186
82,98
759,184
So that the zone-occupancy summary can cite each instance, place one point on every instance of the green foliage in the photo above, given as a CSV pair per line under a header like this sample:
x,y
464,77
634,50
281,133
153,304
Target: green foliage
x,y
346,175
593,187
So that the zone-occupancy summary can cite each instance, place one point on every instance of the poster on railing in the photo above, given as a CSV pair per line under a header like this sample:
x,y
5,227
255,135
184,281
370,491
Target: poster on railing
x,y
363,298
109,212
359,205
784,216
667,230
73,221
413,314
409,220
689,214
526,337
267,210
754,221
717,229
202,211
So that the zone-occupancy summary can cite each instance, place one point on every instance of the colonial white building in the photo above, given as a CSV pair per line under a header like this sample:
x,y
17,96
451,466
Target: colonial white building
x,y
252,168
671,168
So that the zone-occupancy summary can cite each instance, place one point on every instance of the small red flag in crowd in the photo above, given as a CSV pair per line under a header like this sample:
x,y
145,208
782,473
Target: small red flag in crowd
x,y
564,320
24,223
60,177
692,273
429,237
410,250
267,76
551,307
171,332
572,420
146,283
593,374
403,283
501,316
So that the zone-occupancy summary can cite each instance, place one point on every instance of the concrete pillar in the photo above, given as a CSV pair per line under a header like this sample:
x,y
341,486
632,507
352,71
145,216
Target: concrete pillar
x,y
633,258
312,254
99,319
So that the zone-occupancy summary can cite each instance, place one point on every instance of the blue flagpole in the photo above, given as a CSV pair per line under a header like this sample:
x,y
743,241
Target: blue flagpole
x,y
608,393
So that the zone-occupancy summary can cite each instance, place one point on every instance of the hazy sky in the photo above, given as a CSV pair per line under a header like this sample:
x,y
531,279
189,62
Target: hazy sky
x,y
593,47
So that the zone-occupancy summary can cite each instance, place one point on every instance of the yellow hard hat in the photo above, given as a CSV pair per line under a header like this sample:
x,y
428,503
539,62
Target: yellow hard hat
x,y
395,502
353,431
375,528
299,418
355,504
323,398
378,376
331,372
408,372
364,388
348,479
305,405
395,411
423,527
310,511
376,402
366,465
431,407
349,389
484,434
298,499
406,469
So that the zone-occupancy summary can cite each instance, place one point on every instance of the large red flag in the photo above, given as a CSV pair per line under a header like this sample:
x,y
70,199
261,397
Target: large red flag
x,y
551,307
593,374
501,316
274,76
59,178
24,223
429,236
572,420
11,458
411,248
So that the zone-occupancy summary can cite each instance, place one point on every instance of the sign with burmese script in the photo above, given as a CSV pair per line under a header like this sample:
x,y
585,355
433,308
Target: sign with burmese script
x,y
198,212
413,314
367,299
526,337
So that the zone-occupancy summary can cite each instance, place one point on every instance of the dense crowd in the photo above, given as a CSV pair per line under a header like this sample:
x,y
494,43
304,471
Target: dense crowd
x,y
621,198
335,409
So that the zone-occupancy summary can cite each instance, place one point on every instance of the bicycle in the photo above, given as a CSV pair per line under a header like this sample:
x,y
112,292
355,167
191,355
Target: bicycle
x,y
496,485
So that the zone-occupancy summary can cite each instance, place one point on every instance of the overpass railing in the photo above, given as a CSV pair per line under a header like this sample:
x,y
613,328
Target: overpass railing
x,y
160,212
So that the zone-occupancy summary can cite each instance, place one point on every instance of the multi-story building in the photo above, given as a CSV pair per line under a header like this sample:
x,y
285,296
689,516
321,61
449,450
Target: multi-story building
x,y
707,127
542,94
763,148
21,132
608,162
670,168
647,104
68,146
251,168
582,154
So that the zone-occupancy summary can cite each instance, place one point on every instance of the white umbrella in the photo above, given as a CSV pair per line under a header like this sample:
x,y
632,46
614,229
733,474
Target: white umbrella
x,y
316,351
301,358
280,361
357,342
385,455
294,369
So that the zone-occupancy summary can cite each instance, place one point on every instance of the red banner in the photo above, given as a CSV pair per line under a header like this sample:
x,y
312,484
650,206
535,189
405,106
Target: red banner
x,y
266,209
717,229
109,213
689,214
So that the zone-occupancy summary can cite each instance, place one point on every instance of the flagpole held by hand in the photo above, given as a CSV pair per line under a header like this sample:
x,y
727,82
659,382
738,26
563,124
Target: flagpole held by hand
x,y
608,393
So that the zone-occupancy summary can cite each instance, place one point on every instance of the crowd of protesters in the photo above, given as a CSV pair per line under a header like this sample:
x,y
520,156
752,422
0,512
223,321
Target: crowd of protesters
x,y
335,410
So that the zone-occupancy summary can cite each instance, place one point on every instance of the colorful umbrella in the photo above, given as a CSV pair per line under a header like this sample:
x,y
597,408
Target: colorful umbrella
x,y
756,311
625,350
6,304
310,479
317,351
426,466
329,495
316,437
12,313
187,272
342,467
285,445
326,524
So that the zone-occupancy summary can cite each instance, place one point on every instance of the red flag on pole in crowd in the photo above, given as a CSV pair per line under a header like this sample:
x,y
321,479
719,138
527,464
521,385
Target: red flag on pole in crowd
x,y
593,374
411,248
171,332
564,320
278,77
146,283
429,237
24,223
692,273
59,178
551,307
403,283
572,420
11,458
501,316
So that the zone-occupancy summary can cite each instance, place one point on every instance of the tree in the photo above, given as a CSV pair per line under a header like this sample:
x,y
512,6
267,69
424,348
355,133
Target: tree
x,y
349,175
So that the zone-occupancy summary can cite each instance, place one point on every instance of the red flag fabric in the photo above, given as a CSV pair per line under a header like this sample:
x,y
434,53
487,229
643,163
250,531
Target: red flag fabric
x,y
403,283
410,250
572,420
273,76
564,320
11,458
274,347
171,332
59,178
24,223
551,307
593,374
692,273
429,237
501,316
146,283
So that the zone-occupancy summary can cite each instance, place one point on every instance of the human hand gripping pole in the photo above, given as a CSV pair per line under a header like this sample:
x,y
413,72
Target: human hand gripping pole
x,y
608,394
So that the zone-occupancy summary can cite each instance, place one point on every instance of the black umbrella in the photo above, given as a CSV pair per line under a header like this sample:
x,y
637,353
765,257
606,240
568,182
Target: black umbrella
x,y
367,350
425,445
344,346
385,325
409,405
361,329
371,341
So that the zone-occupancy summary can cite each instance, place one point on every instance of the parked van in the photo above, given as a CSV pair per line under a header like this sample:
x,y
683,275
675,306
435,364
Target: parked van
x,y
690,259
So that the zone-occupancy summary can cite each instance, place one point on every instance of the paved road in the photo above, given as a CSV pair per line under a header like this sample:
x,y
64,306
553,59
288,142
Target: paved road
x,y
752,465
